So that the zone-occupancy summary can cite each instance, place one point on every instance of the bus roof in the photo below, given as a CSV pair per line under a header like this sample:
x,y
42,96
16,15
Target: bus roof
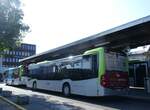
x,y
93,51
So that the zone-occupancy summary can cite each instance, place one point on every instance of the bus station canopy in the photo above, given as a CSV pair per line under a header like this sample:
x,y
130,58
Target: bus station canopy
x,y
129,35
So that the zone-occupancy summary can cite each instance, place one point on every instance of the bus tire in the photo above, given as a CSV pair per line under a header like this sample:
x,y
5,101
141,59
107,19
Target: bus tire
x,y
34,85
66,89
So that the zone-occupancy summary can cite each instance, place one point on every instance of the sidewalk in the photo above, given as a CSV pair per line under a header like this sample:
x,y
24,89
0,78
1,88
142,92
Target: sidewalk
x,y
7,102
40,101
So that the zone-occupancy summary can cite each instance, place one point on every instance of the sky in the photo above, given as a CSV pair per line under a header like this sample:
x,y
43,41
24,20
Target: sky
x,y
54,23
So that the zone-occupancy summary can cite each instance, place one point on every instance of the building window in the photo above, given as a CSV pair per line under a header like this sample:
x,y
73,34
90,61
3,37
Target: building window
x,y
3,59
28,54
25,53
22,46
10,52
28,47
22,53
33,47
10,59
13,59
16,60
14,52
19,53
7,51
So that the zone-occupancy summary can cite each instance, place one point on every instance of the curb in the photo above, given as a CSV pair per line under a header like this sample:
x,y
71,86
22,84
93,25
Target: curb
x,y
12,103
140,98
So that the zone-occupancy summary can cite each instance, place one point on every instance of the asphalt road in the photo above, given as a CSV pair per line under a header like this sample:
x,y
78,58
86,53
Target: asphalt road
x,y
45,100
6,106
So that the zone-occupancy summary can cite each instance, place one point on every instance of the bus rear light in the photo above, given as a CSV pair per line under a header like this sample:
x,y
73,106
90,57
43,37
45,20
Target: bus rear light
x,y
105,81
117,75
104,84
114,80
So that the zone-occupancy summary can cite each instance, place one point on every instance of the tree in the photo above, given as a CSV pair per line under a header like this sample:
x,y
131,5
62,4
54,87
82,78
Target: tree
x,y
12,28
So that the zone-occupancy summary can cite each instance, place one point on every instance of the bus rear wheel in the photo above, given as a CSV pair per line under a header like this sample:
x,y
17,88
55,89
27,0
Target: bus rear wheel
x,y
66,90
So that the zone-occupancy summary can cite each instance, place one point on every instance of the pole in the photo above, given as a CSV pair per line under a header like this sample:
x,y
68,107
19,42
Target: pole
x,y
1,63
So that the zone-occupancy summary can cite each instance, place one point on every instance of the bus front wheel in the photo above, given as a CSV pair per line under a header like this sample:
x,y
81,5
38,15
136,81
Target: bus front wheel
x,y
66,89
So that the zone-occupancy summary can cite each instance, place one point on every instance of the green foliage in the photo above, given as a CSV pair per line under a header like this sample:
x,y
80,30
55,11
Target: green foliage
x,y
12,28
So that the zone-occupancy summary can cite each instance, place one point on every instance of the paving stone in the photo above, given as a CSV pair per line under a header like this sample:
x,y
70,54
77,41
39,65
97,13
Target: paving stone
x,y
6,93
22,99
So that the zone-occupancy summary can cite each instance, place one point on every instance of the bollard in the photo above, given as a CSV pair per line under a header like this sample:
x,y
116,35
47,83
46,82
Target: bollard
x,y
6,93
22,100
1,90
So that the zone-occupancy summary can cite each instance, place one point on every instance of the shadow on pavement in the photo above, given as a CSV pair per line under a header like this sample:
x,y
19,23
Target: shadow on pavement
x,y
39,102
114,102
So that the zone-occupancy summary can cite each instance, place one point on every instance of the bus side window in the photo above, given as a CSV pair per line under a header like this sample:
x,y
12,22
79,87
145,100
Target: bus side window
x,y
54,68
95,64
50,69
86,62
77,64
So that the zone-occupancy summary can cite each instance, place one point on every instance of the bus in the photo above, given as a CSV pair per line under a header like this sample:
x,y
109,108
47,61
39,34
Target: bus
x,y
96,72
9,75
13,76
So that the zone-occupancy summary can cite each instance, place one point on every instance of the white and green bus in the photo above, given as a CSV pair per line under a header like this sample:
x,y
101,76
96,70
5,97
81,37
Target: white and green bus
x,y
94,73
13,76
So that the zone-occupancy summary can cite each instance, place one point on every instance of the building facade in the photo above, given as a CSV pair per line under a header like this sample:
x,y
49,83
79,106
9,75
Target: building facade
x,y
11,57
